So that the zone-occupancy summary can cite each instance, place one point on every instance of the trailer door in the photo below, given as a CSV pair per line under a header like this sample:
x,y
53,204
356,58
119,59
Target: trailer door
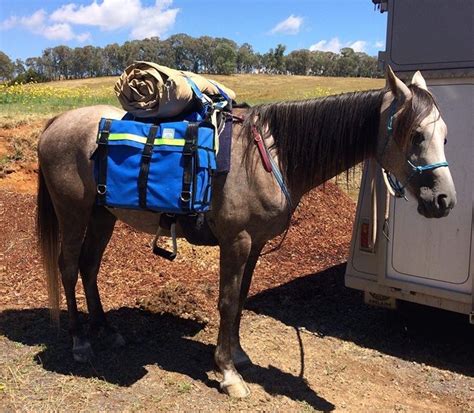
x,y
437,252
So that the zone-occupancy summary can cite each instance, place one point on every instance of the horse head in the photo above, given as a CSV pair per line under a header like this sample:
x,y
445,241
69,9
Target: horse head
x,y
411,143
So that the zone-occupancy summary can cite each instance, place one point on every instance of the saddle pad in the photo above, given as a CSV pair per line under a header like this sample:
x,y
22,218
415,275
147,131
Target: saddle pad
x,y
225,147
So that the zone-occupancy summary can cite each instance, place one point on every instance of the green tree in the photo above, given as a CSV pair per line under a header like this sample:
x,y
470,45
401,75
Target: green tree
x,y
246,59
298,62
112,63
6,67
280,58
347,63
225,58
205,51
61,56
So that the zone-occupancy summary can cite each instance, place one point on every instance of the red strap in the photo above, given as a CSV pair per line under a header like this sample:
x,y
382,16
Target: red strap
x,y
261,148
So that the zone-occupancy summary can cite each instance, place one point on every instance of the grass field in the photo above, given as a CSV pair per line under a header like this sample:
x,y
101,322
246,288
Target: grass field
x,y
25,108
50,98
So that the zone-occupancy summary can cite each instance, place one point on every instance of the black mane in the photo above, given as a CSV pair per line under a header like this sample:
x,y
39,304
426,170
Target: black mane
x,y
314,136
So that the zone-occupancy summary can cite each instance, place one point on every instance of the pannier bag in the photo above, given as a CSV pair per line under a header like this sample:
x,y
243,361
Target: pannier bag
x,y
165,167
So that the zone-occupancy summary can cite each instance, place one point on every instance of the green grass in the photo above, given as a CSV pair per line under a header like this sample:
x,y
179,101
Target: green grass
x,y
46,99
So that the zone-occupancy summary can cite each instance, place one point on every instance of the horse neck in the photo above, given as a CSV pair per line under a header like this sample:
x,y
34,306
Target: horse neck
x,y
319,139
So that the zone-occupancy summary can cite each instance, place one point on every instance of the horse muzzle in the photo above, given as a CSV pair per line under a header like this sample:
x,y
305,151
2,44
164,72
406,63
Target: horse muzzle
x,y
432,204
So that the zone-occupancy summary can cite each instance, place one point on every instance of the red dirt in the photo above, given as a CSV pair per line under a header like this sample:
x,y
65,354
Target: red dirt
x,y
309,247
313,343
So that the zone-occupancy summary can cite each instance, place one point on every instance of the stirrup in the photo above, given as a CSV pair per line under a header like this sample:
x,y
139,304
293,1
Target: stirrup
x,y
161,252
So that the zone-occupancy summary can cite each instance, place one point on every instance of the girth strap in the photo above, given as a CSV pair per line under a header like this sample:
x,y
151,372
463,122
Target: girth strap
x,y
145,166
102,152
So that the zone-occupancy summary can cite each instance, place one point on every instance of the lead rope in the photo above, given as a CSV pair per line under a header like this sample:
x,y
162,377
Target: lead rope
x,y
373,193
374,207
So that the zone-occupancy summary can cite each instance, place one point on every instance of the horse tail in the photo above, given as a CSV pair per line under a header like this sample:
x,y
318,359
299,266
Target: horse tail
x,y
47,231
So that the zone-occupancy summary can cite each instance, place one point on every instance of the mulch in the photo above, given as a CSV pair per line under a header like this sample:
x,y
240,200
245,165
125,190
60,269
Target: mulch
x,y
132,276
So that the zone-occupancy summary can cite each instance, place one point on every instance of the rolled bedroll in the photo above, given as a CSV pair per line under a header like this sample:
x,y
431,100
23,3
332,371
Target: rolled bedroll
x,y
146,89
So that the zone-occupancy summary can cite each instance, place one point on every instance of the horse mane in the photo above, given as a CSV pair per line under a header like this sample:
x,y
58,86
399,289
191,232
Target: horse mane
x,y
313,136
412,112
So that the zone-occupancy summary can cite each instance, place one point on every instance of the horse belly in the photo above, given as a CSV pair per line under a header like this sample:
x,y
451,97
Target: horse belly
x,y
142,221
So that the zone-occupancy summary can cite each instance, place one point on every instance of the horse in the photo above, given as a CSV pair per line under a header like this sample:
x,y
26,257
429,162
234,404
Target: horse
x,y
310,141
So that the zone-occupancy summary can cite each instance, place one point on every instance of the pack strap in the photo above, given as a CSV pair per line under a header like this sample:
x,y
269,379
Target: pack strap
x,y
224,95
102,152
262,149
206,103
145,166
189,155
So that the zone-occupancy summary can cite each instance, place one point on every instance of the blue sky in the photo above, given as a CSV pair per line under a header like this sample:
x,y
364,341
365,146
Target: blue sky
x,y
29,26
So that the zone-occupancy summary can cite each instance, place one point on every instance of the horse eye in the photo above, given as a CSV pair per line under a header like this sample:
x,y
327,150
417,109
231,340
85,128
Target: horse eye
x,y
418,139
445,141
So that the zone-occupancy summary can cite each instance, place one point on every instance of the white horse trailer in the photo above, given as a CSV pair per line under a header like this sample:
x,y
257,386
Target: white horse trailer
x,y
409,257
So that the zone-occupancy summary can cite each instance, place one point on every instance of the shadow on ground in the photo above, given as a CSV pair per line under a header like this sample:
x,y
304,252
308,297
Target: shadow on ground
x,y
161,339
323,305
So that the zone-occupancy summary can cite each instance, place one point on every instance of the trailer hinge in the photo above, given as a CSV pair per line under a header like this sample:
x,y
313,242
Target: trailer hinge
x,y
471,317
382,5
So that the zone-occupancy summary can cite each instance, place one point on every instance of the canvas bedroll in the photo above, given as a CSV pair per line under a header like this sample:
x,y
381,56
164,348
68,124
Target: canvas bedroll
x,y
149,90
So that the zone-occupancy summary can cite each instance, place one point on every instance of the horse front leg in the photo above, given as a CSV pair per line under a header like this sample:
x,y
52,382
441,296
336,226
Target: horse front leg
x,y
239,356
233,258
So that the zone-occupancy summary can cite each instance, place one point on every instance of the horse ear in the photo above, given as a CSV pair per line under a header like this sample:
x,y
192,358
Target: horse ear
x,y
419,80
397,87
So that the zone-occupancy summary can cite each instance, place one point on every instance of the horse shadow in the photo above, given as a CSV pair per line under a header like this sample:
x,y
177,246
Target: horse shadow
x,y
164,340
323,305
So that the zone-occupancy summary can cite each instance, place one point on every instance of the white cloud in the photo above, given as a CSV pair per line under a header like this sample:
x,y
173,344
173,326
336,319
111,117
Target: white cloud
x,y
357,46
37,24
9,23
335,45
117,14
291,25
107,15
379,43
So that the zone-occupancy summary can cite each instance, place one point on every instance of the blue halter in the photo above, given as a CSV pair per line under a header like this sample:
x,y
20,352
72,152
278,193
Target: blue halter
x,y
395,184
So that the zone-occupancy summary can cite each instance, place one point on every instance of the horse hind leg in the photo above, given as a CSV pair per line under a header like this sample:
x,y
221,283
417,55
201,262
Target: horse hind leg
x,y
233,258
72,230
99,230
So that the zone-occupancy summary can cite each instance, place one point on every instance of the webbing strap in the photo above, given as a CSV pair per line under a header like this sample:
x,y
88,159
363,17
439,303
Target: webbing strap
x,y
102,152
145,166
224,95
189,152
205,101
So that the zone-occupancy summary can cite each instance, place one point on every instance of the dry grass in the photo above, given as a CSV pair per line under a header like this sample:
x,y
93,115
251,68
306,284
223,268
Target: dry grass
x,y
256,89
20,125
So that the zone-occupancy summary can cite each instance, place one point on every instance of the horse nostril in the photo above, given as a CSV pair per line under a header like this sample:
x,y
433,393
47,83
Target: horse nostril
x,y
443,201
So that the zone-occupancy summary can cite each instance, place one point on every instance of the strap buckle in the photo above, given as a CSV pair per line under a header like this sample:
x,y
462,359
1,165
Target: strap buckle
x,y
101,189
185,196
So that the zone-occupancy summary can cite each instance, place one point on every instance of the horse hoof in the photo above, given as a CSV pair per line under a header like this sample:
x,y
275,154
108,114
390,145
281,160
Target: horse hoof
x,y
237,389
82,352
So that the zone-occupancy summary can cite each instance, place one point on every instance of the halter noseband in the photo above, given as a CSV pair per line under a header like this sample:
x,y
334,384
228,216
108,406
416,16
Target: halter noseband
x,y
397,187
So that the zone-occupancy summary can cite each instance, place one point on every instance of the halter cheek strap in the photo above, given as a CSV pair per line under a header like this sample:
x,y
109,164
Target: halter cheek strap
x,y
397,188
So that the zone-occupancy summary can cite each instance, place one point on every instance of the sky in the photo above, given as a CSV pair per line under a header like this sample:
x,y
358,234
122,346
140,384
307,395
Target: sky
x,y
27,27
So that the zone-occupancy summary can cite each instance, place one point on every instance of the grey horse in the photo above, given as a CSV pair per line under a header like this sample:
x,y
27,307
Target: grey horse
x,y
311,141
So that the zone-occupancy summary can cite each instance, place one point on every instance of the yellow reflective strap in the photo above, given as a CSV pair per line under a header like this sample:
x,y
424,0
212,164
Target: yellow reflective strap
x,y
141,139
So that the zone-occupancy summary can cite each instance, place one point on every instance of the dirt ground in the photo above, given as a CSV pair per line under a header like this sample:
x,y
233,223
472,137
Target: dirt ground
x,y
314,345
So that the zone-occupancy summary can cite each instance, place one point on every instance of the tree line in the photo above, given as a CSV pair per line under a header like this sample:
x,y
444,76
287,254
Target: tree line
x,y
204,54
